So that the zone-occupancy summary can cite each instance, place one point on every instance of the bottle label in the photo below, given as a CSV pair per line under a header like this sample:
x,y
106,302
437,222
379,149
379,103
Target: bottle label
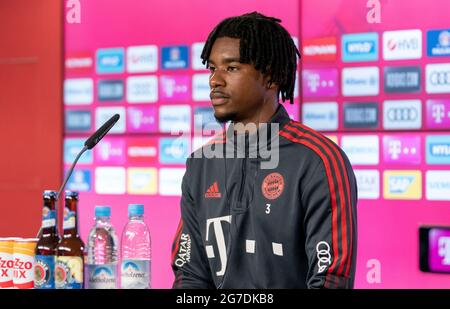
x,y
24,271
48,218
102,276
69,272
69,219
44,269
135,274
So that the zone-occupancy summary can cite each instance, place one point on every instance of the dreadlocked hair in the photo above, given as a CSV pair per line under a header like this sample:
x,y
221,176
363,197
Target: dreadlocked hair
x,y
263,43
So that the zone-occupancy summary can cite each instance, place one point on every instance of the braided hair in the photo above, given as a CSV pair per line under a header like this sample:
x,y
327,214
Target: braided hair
x,y
263,43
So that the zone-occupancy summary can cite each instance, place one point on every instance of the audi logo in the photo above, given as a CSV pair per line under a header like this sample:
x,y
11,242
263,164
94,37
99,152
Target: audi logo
x,y
402,114
323,256
440,78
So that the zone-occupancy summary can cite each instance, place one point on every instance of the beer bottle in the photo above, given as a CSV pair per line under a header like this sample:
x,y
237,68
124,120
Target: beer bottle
x,y
46,246
69,271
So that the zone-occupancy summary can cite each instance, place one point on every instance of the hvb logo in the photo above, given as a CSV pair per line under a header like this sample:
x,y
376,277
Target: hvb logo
x,y
374,15
73,15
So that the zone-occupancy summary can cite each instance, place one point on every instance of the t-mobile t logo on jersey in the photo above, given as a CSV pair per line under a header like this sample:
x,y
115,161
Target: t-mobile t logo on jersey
x,y
444,249
220,240
217,228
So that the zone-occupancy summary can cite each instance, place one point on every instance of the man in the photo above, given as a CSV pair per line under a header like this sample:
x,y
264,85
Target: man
x,y
292,225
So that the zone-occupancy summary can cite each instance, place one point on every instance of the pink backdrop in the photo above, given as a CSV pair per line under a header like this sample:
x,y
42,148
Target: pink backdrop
x,y
120,24
387,229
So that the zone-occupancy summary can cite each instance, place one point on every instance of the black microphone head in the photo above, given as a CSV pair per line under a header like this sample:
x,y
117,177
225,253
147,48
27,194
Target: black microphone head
x,y
101,132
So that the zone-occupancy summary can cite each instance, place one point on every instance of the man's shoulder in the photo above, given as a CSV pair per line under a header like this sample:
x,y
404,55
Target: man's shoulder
x,y
309,140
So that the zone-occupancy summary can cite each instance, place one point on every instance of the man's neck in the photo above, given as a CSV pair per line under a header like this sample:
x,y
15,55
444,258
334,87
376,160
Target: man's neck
x,y
250,125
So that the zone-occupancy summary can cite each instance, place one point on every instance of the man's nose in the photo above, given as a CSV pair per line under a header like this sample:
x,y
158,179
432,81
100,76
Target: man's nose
x,y
216,79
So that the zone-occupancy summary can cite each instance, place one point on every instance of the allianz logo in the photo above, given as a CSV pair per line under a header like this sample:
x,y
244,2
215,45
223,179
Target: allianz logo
x,y
320,116
360,47
361,81
174,118
400,184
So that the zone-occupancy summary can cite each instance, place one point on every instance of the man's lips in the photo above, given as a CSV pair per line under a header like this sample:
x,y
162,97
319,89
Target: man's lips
x,y
218,98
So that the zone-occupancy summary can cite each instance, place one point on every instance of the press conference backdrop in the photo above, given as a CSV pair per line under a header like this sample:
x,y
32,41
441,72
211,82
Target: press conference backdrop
x,y
382,91
141,59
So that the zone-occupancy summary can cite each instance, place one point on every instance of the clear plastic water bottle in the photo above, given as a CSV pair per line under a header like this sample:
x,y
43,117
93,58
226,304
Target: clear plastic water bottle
x,y
136,251
102,252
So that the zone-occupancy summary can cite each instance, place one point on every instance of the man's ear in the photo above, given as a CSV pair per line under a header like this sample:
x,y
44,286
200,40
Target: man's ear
x,y
268,82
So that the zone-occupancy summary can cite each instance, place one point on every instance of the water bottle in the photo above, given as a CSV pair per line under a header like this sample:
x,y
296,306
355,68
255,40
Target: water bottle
x,y
102,252
136,251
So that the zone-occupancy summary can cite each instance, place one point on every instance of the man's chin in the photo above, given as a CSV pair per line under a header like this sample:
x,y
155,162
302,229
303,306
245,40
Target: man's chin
x,y
224,117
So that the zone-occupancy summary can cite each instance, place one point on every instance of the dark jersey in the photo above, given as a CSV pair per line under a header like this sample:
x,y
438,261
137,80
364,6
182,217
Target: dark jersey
x,y
292,226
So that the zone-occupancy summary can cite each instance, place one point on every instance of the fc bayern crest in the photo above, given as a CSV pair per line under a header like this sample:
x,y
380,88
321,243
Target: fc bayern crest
x,y
272,186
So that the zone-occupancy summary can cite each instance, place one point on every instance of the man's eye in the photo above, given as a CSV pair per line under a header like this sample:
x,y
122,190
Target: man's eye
x,y
230,69
212,69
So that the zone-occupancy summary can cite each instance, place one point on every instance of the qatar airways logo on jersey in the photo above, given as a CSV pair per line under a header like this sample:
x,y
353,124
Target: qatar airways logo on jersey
x,y
184,252
215,244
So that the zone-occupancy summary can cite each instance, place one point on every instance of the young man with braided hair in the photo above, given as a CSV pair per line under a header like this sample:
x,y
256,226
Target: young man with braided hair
x,y
244,225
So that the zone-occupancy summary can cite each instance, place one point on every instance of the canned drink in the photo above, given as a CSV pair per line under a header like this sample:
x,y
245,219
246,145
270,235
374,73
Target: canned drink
x,y
6,262
23,274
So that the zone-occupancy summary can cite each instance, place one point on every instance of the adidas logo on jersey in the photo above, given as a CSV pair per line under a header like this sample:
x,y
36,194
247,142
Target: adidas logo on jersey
x,y
213,191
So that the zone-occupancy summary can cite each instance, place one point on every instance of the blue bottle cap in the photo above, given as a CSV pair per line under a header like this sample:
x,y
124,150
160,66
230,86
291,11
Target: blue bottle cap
x,y
135,209
71,194
102,211
49,194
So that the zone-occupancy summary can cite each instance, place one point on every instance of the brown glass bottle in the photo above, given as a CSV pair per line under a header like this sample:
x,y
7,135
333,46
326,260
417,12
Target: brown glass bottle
x,y
69,270
46,245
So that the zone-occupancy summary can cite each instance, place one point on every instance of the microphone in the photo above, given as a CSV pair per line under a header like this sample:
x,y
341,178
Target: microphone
x,y
98,135
89,144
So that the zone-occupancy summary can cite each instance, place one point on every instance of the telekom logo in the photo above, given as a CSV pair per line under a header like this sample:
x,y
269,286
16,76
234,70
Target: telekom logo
x,y
444,249
438,112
